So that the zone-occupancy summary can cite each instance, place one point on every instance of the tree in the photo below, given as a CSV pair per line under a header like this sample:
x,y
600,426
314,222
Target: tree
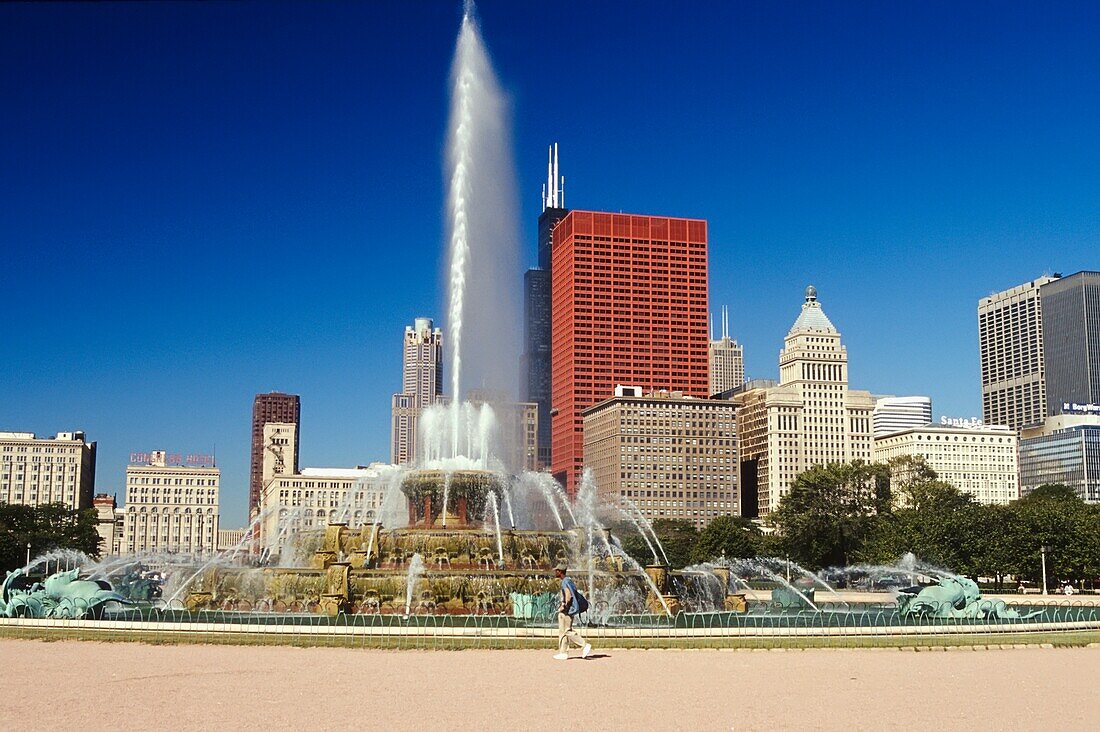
x,y
632,542
830,512
733,537
46,528
678,538
1053,515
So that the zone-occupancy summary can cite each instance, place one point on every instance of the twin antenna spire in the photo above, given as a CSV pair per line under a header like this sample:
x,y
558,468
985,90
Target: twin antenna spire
x,y
553,191
725,323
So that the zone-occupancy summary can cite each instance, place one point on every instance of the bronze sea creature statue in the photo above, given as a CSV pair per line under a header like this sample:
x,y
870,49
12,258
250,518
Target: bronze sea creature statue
x,y
62,595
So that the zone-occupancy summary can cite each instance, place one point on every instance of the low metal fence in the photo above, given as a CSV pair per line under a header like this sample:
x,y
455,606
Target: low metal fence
x,y
835,626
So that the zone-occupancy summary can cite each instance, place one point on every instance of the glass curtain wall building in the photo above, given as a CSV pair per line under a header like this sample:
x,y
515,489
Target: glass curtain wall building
x,y
1067,455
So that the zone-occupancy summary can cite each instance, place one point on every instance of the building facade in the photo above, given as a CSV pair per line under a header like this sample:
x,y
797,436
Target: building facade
x,y
280,450
980,460
670,455
110,524
629,307
39,470
231,538
1010,340
171,508
1064,449
893,413
726,361
1071,340
421,385
300,504
810,418
270,407
537,304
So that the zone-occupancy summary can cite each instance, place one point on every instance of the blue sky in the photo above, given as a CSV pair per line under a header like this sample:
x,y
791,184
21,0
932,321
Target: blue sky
x,y
203,201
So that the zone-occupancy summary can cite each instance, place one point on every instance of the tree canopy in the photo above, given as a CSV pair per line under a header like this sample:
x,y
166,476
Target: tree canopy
x,y
46,527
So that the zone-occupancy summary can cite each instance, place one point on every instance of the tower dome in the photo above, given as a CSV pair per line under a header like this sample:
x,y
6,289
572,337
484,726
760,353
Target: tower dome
x,y
812,318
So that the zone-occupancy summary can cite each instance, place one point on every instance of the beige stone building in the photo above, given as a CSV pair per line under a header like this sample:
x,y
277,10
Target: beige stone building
x,y
39,470
230,538
280,442
810,418
171,507
1010,340
672,456
979,460
318,496
110,524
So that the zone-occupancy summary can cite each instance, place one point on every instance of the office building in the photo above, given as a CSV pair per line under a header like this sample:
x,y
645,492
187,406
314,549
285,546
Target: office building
x,y
671,455
537,307
726,360
810,418
39,470
979,460
1010,339
271,407
629,307
302,504
1064,449
893,413
1071,341
421,385
171,504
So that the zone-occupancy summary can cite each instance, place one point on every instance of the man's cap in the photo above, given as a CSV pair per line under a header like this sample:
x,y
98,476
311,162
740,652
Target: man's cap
x,y
561,568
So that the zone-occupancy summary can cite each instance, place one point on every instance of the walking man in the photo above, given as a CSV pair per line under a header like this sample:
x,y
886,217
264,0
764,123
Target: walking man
x,y
572,604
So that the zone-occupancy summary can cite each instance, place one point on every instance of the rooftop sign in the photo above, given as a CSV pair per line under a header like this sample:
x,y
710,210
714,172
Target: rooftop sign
x,y
967,422
1075,408
172,459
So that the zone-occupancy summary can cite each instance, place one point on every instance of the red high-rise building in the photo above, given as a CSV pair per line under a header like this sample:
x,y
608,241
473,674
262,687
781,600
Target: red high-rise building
x,y
629,300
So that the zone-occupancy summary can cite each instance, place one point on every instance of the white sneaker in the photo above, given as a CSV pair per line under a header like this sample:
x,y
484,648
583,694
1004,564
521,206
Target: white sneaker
x,y
561,656
586,650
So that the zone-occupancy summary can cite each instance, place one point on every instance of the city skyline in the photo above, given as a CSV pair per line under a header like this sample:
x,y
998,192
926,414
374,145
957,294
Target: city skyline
x,y
129,200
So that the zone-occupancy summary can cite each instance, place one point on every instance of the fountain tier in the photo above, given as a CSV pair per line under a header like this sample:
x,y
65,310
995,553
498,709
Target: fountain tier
x,y
449,499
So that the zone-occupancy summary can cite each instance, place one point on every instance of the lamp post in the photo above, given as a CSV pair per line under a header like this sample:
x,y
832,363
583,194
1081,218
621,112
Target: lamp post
x,y
28,556
1045,549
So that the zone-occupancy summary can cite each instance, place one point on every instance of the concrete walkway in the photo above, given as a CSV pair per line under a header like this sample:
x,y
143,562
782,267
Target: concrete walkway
x,y
82,685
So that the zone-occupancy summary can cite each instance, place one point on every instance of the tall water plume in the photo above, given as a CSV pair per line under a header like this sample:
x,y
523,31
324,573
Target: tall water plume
x,y
482,325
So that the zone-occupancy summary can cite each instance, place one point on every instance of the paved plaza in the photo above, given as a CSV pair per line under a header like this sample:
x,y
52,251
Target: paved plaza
x,y
88,685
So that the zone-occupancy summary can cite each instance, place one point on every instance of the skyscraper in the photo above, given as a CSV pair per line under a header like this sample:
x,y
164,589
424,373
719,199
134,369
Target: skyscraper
x,y
1010,338
1071,340
629,300
270,407
727,360
537,307
421,385
811,418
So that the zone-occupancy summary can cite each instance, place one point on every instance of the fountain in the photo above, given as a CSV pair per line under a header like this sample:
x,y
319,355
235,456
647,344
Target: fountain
x,y
437,545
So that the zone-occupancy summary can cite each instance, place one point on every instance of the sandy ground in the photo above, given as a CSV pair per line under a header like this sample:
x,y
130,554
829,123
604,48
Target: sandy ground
x,y
119,686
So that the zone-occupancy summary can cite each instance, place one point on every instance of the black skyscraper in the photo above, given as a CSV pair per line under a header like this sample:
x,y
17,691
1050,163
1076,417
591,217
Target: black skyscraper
x,y
536,307
1071,340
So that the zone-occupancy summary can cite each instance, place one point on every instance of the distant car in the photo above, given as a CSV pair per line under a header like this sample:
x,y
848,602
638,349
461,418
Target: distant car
x,y
893,582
